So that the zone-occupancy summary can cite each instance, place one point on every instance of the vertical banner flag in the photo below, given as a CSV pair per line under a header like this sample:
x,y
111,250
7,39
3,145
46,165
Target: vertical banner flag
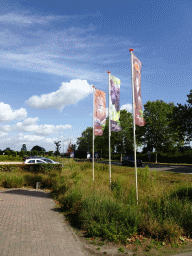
x,y
114,103
99,112
139,120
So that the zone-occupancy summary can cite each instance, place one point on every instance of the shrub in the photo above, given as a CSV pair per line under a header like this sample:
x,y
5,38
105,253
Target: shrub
x,y
41,168
32,179
71,204
14,153
7,152
28,153
50,153
13,181
108,218
21,153
34,153
8,167
42,153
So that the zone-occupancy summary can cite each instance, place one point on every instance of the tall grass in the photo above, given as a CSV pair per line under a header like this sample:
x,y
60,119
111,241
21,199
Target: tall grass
x,y
11,180
164,211
112,214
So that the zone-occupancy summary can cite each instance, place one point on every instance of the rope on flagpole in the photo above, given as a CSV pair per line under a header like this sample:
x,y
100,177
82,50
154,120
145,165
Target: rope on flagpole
x,y
134,140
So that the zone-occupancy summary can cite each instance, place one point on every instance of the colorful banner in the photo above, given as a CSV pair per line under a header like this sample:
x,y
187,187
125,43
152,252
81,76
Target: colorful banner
x,y
99,112
114,102
139,120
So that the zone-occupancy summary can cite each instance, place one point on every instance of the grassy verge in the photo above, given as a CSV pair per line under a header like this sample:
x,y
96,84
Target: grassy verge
x,y
164,212
6,158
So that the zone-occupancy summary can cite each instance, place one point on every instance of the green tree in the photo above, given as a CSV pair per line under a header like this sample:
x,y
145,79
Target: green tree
x,y
7,152
190,98
58,146
38,148
24,148
124,139
158,133
181,122
73,147
85,142
121,142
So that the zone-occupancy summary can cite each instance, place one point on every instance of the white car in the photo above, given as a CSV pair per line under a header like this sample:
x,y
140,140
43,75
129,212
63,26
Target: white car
x,y
34,161
40,161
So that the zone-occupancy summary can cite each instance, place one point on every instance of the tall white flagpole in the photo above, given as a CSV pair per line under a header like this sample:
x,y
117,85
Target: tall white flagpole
x,y
93,153
109,95
133,106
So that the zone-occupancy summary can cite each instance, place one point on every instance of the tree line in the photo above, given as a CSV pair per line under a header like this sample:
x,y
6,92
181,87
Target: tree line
x,y
168,127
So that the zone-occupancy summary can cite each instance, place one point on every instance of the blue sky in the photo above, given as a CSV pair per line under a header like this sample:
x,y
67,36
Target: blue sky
x,y
53,52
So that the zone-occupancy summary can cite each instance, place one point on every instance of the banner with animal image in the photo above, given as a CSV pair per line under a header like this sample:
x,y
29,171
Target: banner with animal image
x,y
114,103
137,65
99,112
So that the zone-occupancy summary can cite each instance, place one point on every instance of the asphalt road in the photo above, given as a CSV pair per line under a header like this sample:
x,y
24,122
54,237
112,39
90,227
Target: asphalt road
x,y
160,167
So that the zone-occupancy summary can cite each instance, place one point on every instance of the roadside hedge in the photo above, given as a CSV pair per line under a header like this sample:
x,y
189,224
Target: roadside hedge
x,y
177,157
42,168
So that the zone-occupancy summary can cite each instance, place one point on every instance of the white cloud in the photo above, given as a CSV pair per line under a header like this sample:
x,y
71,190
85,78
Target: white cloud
x,y
68,93
127,107
30,121
8,115
5,128
2,134
30,138
30,125
26,18
16,142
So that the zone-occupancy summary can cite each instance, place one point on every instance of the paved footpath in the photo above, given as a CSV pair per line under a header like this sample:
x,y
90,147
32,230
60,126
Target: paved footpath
x,y
30,225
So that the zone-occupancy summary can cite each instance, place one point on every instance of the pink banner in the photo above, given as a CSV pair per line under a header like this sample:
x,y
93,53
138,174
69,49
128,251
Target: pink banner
x,y
139,120
100,112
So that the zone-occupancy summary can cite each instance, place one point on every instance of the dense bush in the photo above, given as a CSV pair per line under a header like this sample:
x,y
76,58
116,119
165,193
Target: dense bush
x,y
8,167
7,152
41,168
42,153
28,153
178,157
21,153
14,153
50,153
34,153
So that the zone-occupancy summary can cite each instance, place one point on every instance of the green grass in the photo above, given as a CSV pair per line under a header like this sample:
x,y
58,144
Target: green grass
x,y
164,212
6,158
